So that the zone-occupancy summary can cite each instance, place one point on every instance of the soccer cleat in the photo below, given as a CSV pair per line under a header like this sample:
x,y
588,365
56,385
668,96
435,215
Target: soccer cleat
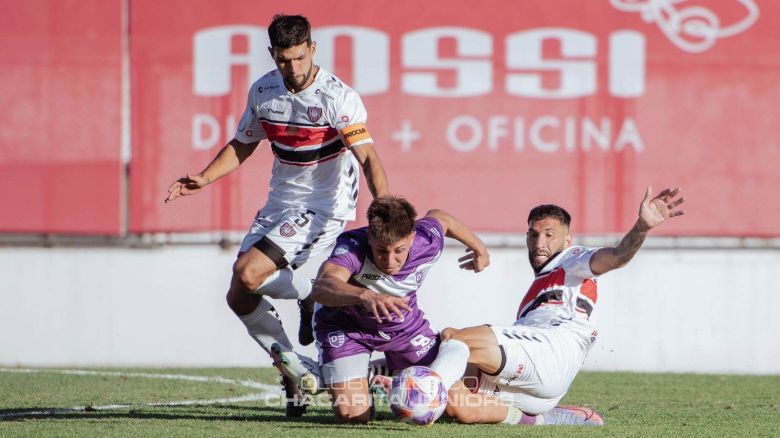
x,y
305,330
297,401
304,372
572,415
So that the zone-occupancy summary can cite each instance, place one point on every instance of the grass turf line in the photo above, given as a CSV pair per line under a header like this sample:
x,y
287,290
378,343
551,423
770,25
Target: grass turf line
x,y
631,404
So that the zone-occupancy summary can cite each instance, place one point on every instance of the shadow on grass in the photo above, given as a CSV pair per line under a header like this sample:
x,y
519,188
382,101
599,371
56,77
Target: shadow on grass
x,y
264,414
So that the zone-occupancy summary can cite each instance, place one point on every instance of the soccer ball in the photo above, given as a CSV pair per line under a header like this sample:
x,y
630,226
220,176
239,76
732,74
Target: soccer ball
x,y
418,396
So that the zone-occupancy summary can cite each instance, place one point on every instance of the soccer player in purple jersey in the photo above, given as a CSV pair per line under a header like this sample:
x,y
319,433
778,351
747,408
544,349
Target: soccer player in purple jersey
x,y
367,297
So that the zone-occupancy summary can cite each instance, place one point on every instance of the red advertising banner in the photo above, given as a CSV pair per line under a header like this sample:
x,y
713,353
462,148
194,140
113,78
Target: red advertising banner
x,y
60,127
483,111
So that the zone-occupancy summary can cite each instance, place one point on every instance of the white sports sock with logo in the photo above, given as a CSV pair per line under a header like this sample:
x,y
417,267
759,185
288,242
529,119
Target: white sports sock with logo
x,y
264,326
451,361
284,284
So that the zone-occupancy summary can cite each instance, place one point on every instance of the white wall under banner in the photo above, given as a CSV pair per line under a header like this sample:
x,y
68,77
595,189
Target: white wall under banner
x,y
672,309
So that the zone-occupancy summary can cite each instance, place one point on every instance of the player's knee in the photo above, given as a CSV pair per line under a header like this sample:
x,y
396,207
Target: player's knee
x,y
446,333
461,414
353,414
451,333
249,276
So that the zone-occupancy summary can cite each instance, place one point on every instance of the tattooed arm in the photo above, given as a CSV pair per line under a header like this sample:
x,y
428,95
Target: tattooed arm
x,y
653,211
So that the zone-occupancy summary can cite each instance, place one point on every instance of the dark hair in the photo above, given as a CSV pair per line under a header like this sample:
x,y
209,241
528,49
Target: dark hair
x,y
390,219
549,210
287,31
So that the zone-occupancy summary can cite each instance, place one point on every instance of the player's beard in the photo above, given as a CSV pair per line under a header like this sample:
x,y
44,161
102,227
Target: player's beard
x,y
305,80
539,268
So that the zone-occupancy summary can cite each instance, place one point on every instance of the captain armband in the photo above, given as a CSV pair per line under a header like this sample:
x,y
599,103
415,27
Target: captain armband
x,y
355,134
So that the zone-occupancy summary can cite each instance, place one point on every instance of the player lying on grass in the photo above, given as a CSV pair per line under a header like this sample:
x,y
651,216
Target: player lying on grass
x,y
367,299
524,370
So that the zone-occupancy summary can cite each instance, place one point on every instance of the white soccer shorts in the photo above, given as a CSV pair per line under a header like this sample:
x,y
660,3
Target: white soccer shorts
x,y
291,236
538,365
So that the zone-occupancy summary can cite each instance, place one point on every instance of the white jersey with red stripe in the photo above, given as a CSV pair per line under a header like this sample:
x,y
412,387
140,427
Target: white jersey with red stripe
x,y
563,293
310,133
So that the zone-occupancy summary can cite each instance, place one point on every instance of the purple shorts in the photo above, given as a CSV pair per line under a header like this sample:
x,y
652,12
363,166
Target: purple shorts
x,y
416,344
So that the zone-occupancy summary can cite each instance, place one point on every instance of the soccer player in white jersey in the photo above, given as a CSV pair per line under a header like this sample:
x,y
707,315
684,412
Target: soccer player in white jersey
x,y
312,121
523,370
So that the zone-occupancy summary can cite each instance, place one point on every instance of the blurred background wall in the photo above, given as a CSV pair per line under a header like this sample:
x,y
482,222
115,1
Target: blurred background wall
x,y
482,111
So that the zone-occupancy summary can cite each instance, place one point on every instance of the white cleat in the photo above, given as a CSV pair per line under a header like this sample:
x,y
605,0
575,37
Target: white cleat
x,y
300,369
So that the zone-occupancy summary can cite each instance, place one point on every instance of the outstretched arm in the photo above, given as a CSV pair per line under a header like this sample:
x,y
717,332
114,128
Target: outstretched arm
x,y
372,168
653,211
227,160
331,289
477,258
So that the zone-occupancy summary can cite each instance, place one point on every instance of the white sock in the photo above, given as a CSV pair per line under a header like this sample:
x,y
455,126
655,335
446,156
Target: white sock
x,y
379,367
451,361
284,284
264,326
515,416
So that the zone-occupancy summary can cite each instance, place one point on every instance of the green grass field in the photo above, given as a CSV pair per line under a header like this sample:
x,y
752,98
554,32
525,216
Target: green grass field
x,y
236,402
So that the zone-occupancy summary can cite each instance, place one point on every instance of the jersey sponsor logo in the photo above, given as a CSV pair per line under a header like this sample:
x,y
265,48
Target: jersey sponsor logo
x,y
319,91
267,88
372,277
273,111
355,133
336,339
341,249
435,232
384,335
423,343
516,376
287,230
314,113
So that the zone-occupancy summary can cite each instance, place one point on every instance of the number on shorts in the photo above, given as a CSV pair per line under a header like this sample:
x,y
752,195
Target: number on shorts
x,y
304,219
420,341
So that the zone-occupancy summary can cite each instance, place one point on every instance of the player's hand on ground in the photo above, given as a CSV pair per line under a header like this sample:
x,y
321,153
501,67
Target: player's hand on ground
x,y
384,306
474,261
655,210
185,186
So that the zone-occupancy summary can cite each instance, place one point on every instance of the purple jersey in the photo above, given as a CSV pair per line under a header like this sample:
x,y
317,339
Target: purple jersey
x,y
352,252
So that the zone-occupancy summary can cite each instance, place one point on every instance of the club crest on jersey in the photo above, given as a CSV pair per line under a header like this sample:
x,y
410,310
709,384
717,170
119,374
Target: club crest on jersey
x,y
287,230
336,339
314,113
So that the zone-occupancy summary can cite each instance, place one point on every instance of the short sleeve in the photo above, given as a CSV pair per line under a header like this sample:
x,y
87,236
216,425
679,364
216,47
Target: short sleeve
x,y
249,128
348,253
351,120
577,262
430,231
